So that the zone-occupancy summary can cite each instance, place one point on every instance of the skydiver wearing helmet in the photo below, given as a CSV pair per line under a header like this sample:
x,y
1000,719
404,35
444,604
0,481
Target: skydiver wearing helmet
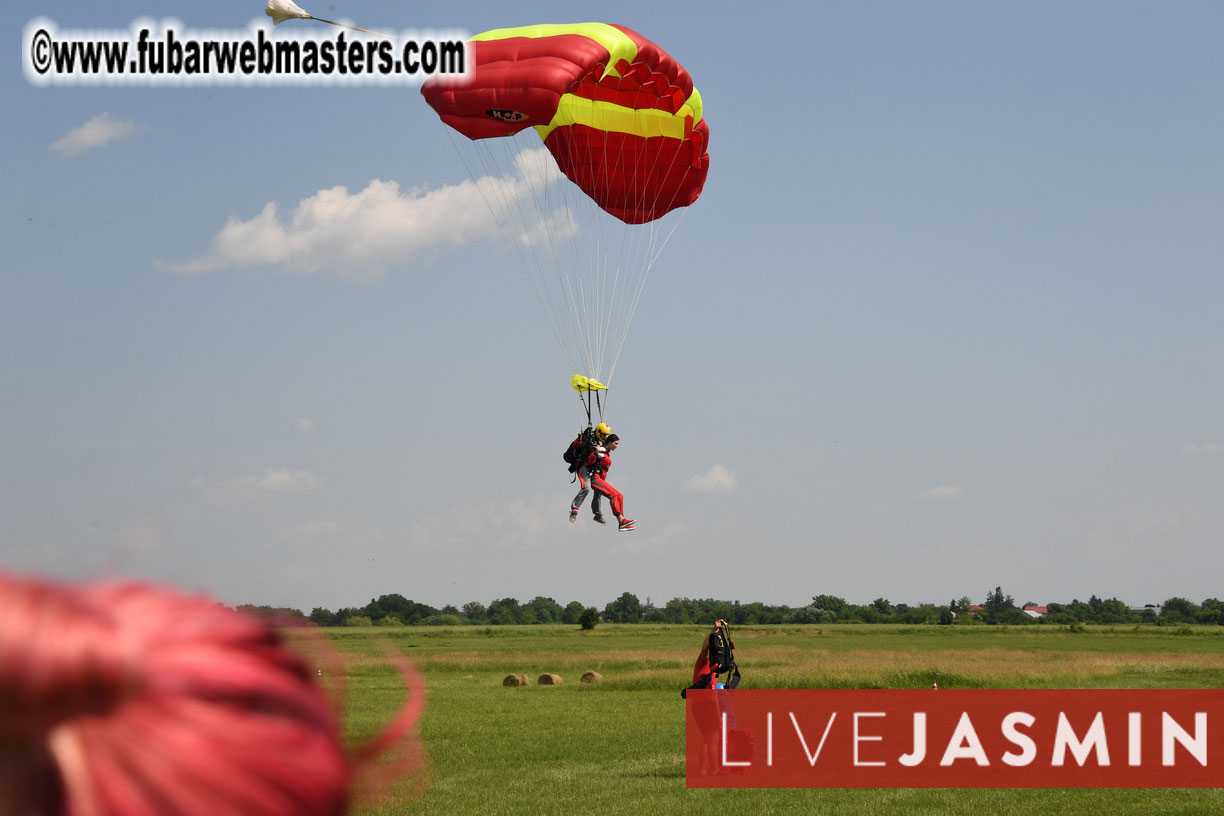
x,y
583,472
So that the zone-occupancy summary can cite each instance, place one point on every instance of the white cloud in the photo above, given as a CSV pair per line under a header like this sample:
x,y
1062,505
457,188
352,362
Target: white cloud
x,y
286,481
1208,447
251,489
305,426
942,493
520,524
146,534
360,235
97,132
718,479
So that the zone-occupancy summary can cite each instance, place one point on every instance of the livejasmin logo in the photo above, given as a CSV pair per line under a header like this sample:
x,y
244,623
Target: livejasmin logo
x,y
1037,738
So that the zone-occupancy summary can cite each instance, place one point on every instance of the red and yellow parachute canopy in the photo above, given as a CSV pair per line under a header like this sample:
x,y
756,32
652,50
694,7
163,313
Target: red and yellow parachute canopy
x,y
620,116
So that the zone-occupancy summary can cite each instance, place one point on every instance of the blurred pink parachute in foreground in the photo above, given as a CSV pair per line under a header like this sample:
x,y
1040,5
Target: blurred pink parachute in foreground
x,y
131,699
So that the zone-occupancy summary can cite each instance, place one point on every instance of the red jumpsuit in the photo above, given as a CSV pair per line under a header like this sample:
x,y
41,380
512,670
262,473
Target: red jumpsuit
x,y
598,465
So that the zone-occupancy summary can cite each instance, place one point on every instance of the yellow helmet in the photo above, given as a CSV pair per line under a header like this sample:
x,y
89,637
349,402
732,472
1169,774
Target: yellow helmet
x,y
602,430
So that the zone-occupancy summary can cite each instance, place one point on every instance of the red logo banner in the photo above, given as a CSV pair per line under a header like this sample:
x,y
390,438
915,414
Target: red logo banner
x,y
980,738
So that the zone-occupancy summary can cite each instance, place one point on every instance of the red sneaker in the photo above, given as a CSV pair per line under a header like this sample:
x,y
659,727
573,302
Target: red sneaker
x,y
626,524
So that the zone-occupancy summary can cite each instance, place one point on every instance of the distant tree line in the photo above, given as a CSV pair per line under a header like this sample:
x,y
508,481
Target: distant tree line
x,y
998,608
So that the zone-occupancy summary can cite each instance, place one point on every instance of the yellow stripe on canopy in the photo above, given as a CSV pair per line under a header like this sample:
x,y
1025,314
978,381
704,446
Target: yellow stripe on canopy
x,y
608,116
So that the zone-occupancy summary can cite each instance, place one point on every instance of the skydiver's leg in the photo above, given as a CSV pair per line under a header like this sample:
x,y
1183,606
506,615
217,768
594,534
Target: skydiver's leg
x,y
614,495
582,494
596,504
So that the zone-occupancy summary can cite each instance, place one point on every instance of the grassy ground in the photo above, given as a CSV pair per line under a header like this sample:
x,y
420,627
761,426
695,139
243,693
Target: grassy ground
x,y
618,746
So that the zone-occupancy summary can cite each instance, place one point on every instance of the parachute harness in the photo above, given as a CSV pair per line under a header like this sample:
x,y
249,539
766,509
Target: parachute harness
x,y
720,660
586,406
722,657
586,385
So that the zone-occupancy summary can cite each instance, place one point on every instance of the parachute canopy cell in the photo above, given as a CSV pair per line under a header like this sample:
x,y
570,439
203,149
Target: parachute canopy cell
x,y
620,117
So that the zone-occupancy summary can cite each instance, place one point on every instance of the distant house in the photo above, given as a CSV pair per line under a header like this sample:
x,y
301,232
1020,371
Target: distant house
x,y
975,609
1034,611
1139,610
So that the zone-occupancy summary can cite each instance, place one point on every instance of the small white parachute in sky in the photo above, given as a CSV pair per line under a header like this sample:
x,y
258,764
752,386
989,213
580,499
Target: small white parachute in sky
x,y
282,10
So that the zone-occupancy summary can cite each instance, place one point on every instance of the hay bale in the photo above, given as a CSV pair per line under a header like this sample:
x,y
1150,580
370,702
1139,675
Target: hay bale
x,y
549,680
515,680
591,677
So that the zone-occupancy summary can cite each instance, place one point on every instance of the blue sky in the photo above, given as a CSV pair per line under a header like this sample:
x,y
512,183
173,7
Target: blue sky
x,y
947,316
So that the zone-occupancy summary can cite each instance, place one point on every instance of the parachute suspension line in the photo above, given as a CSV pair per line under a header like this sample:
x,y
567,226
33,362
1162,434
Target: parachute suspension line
x,y
670,233
584,274
574,278
633,266
624,266
568,301
586,405
503,195
576,275
599,268
655,250
600,314
605,287
587,270
640,249
548,185
496,191
549,205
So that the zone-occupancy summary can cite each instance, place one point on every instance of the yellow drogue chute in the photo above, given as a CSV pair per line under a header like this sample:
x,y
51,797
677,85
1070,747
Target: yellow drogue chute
x,y
583,384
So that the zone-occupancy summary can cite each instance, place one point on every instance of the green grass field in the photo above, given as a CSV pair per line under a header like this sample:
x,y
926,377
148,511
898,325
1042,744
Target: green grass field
x,y
618,746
